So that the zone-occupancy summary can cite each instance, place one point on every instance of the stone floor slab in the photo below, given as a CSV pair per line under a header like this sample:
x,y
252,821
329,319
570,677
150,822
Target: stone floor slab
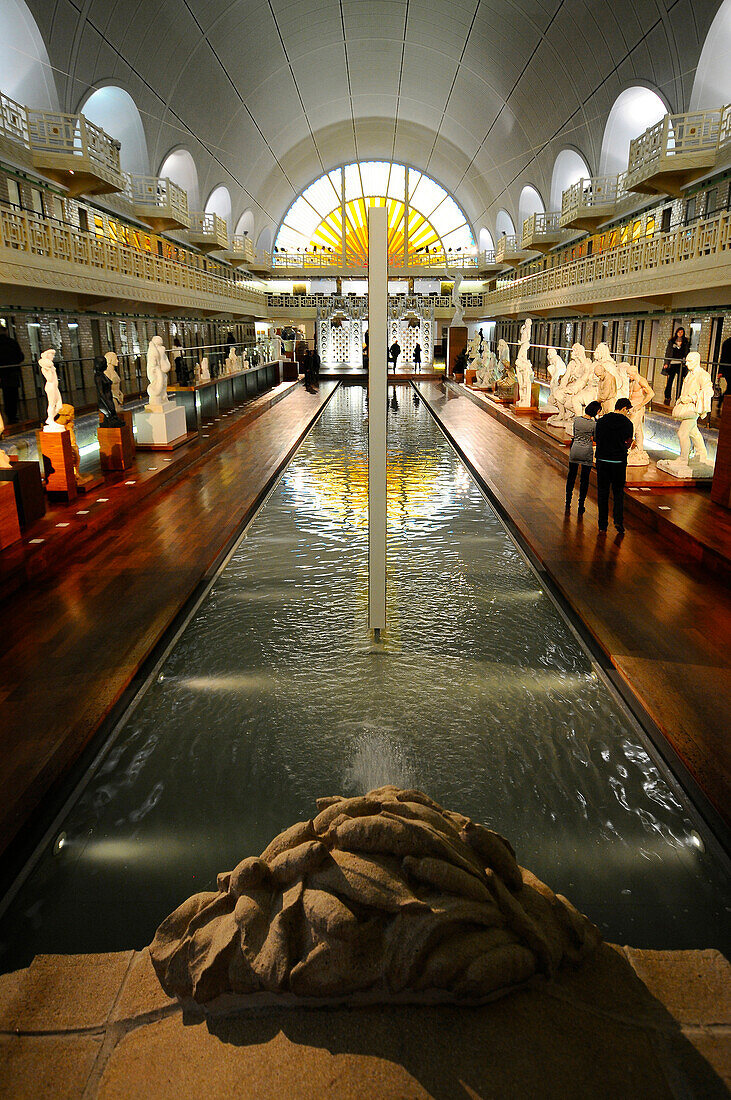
x,y
62,992
56,1067
694,986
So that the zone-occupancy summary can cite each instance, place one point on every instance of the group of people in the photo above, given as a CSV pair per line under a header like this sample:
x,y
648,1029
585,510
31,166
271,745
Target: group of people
x,y
311,369
395,350
613,434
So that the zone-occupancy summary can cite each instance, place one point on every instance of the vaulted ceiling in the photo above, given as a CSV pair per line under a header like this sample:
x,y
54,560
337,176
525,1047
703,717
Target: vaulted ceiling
x,y
269,94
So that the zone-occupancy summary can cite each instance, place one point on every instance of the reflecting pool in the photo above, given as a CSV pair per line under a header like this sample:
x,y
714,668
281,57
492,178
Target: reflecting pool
x,y
274,694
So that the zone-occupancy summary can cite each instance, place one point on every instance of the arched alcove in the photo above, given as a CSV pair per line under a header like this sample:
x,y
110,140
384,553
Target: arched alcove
x,y
712,84
179,167
530,202
634,110
26,70
115,111
245,224
264,242
219,202
504,224
568,167
487,244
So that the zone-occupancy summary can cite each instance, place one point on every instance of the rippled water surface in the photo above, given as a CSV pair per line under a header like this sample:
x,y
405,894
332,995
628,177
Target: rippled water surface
x,y
274,695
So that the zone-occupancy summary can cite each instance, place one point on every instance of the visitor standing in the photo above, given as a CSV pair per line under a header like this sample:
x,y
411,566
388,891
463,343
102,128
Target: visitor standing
x,y
393,353
723,377
307,367
417,355
10,358
613,434
675,353
316,364
581,455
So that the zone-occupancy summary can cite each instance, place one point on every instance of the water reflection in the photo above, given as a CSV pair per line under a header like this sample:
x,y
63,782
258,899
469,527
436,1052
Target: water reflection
x,y
275,695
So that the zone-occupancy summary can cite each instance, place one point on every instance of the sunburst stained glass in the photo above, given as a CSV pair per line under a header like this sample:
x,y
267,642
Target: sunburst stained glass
x,y
331,215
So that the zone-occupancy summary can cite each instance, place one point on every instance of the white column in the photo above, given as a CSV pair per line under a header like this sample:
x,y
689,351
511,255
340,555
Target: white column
x,y
377,401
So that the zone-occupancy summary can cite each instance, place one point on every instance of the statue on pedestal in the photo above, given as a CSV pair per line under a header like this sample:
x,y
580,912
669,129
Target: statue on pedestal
x,y
506,381
641,394
53,393
158,368
105,396
277,346
111,372
573,392
609,381
486,369
556,371
66,415
693,405
473,350
523,367
205,370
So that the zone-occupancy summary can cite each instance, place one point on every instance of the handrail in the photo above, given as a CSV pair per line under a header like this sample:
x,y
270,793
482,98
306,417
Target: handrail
x,y
592,191
157,191
52,132
677,135
646,254
13,120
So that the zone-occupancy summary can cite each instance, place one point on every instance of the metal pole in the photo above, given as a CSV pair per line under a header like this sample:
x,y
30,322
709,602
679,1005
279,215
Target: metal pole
x,y
377,397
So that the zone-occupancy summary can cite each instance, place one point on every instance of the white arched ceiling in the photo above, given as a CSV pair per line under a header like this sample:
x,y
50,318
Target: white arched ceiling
x,y
115,111
634,110
504,224
530,202
487,244
264,243
219,202
568,167
245,224
179,167
25,70
712,84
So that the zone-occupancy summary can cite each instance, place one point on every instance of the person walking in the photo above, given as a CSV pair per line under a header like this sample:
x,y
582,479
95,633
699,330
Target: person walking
x,y
10,358
614,433
581,455
417,355
393,353
674,365
307,367
316,364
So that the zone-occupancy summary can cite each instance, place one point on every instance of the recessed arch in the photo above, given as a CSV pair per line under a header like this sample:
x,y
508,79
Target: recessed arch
x,y
504,224
634,110
26,70
219,202
530,202
264,241
179,167
712,84
245,224
568,167
115,111
487,244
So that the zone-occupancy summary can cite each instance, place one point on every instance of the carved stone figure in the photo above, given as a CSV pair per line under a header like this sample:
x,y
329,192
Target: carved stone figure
x,y
473,350
205,371
606,387
693,405
487,369
66,419
105,397
377,897
113,376
623,380
641,394
503,356
53,393
458,317
523,367
556,371
232,361
574,390
158,368
277,348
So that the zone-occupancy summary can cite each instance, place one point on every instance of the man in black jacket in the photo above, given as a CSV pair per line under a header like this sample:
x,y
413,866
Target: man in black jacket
x,y
614,433
10,357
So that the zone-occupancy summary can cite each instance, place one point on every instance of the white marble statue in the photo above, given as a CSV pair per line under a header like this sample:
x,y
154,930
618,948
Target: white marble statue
x,y
640,394
503,356
623,380
486,369
277,348
113,376
693,405
556,371
473,350
245,364
523,367
4,460
609,381
456,278
158,368
204,370
575,389
53,393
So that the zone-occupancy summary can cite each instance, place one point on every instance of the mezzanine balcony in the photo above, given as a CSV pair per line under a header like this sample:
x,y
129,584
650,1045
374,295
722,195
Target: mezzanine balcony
x,y
13,129
591,201
241,253
510,251
158,202
74,152
542,232
677,150
208,232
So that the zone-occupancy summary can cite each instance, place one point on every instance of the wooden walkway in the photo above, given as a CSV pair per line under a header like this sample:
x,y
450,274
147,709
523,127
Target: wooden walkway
x,y
73,643
660,617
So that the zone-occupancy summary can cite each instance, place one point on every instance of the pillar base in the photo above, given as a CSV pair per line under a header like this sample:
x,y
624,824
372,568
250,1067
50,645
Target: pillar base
x,y
160,425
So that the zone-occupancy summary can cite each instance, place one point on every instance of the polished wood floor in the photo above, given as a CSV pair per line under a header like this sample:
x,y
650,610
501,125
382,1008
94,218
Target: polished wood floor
x,y
73,642
662,619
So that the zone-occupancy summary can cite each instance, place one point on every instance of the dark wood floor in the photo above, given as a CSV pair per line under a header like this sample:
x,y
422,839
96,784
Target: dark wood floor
x,y
73,642
662,619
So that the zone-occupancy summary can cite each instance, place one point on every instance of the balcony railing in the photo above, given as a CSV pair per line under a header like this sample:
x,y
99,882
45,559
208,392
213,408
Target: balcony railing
x,y
592,200
13,121
208,232
415,302
675,151
543,231
509,250
640,258
32,236
74,152
158,201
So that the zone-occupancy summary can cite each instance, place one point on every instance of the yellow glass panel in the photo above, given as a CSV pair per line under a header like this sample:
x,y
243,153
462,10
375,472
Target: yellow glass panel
x,y
329,233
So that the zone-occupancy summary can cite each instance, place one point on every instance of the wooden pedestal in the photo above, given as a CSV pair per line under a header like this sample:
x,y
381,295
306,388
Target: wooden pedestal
x,y
58,462
290,370
116,447
30,498
456,342
721,488
9,525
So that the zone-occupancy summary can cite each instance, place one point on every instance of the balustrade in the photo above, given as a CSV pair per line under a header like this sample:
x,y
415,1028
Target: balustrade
x,y
677,150
543,231
592,200
158,201
74,152
208,232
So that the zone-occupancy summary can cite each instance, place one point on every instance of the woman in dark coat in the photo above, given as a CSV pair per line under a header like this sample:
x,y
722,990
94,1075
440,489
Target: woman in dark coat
x,y
675,353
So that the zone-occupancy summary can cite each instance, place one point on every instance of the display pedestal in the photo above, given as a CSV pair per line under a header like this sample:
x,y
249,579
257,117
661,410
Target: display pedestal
x,y
25,477
290,371
161,427
696,471
9,524
721,488
116,447
58,463
456,343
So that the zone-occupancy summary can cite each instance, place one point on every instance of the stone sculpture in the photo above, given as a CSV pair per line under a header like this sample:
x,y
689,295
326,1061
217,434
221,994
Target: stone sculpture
x,y
487,369
473,349
205,370
556,371
53,393
506,381
380,897
232,362
693,405
277,347
158,368
458,318
575,389
523,368
503,356
641,394
105,398
606,387
66,420
113,376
